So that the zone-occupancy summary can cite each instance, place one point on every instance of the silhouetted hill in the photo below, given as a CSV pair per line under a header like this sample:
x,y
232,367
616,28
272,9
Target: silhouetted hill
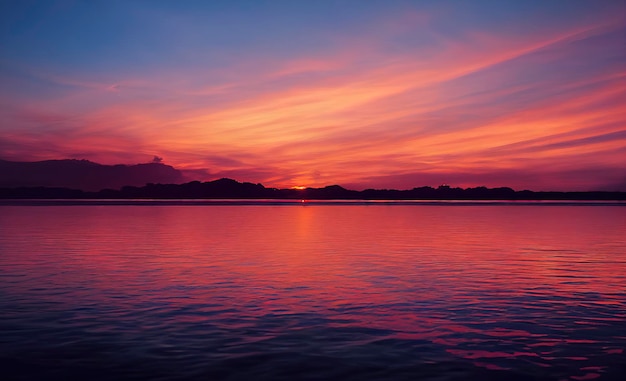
x,y
84,174
231,189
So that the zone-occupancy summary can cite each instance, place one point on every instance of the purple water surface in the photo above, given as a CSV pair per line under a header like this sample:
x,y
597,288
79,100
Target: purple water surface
x,y
313,292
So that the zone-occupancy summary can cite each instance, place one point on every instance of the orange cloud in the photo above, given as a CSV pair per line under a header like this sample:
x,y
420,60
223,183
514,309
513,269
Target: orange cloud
x,y
353,114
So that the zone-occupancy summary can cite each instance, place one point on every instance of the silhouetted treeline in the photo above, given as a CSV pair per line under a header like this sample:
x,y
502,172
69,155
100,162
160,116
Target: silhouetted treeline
x,y
231,189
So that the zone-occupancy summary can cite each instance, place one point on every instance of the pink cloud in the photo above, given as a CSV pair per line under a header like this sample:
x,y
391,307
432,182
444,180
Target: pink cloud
x,y
350,114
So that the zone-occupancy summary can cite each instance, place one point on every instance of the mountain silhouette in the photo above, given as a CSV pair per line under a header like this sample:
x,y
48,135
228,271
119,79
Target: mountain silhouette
x,y
82,179
231,189
83,174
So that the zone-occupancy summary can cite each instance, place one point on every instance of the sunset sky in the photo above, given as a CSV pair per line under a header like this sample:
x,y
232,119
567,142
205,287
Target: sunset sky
x,y
383,94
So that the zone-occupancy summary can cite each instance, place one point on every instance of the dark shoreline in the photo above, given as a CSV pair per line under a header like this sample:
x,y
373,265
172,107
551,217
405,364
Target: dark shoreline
x,y
292,202
227,189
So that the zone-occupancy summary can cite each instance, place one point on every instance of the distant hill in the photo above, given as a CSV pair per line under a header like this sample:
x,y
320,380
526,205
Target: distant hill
x,y
83,179
84,175
231,189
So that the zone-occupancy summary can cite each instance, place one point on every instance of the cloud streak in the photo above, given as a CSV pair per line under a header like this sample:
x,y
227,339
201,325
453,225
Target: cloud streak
x,y
407,102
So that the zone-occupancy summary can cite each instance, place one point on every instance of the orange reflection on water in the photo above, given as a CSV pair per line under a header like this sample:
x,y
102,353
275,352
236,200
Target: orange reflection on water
x,y
483,282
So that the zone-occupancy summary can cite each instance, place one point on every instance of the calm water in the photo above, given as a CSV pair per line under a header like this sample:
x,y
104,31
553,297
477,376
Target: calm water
x,y
316,292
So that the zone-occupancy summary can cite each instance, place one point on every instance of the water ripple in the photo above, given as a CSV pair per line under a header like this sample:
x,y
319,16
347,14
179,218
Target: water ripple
x,y
331,292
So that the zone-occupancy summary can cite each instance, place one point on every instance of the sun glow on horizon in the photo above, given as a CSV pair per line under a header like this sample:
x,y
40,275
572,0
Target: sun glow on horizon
x,y
392,96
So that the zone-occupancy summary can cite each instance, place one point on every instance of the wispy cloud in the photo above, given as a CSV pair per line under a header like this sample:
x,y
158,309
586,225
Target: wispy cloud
x,y
405,101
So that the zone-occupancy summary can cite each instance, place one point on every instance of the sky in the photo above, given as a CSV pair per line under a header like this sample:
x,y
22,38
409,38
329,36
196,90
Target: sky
x,y
365,94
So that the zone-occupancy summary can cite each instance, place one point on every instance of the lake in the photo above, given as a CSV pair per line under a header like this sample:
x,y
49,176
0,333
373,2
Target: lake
x,y
313,292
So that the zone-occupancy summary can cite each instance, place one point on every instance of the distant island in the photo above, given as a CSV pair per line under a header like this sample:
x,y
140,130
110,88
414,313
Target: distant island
x,y
82,179
231,189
